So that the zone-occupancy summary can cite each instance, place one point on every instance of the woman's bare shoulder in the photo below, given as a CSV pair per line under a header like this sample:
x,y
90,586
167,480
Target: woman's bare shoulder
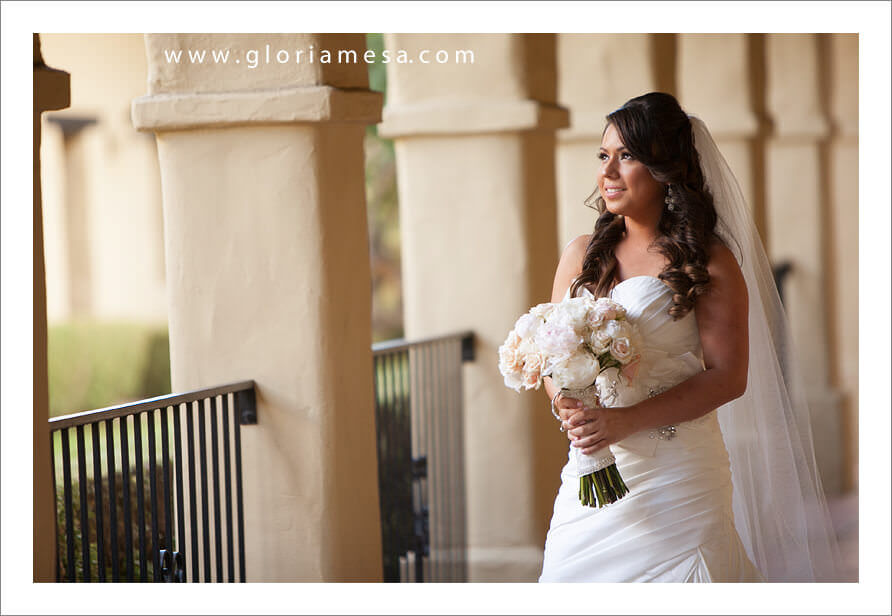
x,y
723,266
574,251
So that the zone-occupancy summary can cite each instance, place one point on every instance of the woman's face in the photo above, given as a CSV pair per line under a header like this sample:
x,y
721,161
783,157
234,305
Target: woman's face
x,y
625,183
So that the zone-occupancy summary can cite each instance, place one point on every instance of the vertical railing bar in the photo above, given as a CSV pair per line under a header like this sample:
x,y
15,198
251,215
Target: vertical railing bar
x,y
424,484
458,456
178,472
442,473
431,477
65,438
203,471
454,454
193,513
445,458
238,487
82,485
416,422
395,443
404,424
382,412
460,467
436,539
227,485
399,544
381,462
165,479
153,493
127,513
58,555
455,439
112,497
138,461
97,488
215,471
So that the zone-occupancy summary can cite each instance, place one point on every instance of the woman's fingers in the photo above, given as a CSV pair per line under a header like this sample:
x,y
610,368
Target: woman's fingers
x,y
567,407
582,416
587,442
601,444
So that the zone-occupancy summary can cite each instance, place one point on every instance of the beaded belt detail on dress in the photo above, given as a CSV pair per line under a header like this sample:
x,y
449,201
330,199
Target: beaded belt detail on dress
x,y
664,433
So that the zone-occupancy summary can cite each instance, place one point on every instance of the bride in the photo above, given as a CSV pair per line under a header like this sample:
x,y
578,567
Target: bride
x,y
714,445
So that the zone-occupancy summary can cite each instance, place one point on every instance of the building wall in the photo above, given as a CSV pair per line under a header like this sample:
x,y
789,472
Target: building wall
x,y
102,193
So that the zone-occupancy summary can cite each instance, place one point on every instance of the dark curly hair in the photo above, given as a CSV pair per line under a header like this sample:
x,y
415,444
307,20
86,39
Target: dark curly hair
x,y
657,132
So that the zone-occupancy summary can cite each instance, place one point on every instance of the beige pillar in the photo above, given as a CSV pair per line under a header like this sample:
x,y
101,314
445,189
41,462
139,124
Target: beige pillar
x,y
598,73
475,157
268,279
841,53
719,81
52,90
797,199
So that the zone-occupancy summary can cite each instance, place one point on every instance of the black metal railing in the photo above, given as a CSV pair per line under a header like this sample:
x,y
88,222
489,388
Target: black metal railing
x,y
111,526
421,475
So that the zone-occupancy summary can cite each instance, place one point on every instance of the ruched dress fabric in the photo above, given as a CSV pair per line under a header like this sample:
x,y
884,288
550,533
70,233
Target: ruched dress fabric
x,y
676,523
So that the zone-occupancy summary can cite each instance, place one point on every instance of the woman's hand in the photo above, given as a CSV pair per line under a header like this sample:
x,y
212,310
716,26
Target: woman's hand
x,y
592,429
566,408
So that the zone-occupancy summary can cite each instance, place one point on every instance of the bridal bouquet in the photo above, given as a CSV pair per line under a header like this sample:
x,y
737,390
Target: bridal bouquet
x,y
588,347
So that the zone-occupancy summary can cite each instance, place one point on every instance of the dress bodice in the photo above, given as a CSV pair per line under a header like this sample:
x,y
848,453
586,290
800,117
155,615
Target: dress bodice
x,y
670,351
647,300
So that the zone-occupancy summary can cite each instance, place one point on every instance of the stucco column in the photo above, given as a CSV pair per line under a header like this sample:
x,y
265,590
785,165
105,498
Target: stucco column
x,y
720,80
268,279
597,74
475,153
841,53
52,90
798,200
798,203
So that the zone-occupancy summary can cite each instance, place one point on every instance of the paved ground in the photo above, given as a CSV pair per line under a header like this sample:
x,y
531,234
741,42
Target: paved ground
x,y
844,512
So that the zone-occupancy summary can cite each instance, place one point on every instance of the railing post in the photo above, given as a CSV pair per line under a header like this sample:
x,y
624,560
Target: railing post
x,y
246,404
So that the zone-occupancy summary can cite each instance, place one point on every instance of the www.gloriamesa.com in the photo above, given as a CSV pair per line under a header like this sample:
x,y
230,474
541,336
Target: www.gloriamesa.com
x,y
252,58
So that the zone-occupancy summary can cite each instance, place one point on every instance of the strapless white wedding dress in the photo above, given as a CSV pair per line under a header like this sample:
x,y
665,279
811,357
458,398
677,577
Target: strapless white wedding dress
x,y
676,523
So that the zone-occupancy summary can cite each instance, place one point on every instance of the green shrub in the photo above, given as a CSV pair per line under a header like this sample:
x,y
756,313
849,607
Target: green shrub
x,y
122,519
95,364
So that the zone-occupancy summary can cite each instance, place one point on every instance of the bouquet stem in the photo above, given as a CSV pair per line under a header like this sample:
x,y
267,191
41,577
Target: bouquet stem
x,y
602,487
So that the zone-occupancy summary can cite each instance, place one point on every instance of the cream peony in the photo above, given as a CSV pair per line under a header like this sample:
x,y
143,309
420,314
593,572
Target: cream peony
x,y
557,339
542,310
527,325
510,360
532,370
576,371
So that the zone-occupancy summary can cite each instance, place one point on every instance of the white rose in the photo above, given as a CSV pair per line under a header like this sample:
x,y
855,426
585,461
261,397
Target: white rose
x,y
621,349
575,372
608,308
600,340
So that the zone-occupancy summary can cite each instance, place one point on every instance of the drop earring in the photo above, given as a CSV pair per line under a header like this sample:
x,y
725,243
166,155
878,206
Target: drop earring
x,y
670,199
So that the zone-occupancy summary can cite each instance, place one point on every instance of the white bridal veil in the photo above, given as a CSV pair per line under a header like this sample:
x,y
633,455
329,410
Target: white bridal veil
x,y
779,507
